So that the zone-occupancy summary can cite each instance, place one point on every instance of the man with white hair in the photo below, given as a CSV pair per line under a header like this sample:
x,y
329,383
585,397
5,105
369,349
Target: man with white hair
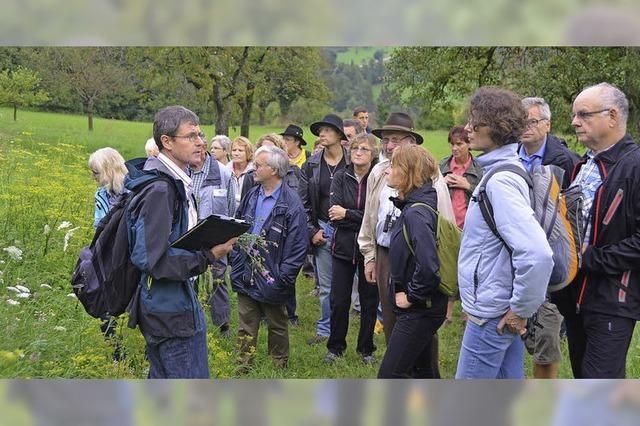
x,y
605,298
278,215
539,147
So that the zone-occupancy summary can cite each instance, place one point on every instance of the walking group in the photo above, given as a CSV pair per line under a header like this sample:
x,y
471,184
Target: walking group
x,y
363,214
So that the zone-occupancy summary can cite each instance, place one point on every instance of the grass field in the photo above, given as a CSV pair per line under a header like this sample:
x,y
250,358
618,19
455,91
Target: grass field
x,y
357,55
46,211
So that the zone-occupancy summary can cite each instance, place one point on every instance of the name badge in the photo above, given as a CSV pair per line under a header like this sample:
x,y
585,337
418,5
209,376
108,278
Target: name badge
x,y
220,192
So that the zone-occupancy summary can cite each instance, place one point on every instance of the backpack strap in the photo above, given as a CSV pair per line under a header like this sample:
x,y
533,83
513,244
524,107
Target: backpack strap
x,y
485,205
405,233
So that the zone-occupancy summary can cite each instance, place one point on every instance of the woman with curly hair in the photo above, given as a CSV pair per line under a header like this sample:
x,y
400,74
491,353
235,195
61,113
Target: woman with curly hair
x,y
503,279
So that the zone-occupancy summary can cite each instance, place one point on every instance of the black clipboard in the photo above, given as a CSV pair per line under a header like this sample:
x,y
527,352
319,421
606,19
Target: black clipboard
x,y
215,229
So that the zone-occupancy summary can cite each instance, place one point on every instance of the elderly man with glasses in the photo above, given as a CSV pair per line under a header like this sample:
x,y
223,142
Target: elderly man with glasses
x,y
605,297
539,147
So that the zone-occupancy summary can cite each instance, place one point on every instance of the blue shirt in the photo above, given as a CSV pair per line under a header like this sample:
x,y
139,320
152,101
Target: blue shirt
x,y
590,180
264,206
534,160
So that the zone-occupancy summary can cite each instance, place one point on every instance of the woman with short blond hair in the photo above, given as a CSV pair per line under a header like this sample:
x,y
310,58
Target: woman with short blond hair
x,y
419,306
241,164
108,170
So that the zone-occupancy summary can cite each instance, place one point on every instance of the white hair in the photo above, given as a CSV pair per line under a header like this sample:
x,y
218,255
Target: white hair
x,y
543,106
150,146
613,98
277,160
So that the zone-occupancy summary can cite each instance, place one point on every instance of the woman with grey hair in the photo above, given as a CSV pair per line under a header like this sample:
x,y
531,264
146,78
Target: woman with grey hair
x,y
220,147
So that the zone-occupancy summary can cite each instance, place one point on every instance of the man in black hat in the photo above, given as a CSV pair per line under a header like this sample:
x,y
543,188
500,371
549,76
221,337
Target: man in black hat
x,y
317,174
294,142
380,213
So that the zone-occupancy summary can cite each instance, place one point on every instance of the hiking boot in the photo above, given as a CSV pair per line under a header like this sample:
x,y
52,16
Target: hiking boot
x,y
330,358
369,359
317,339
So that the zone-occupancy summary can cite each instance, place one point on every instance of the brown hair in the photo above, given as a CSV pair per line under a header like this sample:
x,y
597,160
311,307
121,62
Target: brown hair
x,y
417,166
246,143
458,132
501,110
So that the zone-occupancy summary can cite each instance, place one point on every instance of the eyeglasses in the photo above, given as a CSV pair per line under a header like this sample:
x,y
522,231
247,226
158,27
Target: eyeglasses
x,y
534,122
583,115
360,149
394,140
193,137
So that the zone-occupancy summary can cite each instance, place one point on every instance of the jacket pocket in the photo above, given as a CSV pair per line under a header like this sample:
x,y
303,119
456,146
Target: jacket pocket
x,y
476,278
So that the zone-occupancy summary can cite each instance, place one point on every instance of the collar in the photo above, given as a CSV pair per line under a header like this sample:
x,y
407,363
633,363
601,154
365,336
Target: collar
x,y
499,155
176,171
522,153
275,194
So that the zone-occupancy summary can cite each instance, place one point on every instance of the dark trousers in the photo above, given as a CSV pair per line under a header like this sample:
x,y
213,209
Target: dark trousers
x,y
340,300
382,278
598,344
249,315
409,352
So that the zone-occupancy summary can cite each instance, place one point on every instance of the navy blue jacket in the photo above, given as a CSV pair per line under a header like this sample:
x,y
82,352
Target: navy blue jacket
x,y
417,276
287,227
165,304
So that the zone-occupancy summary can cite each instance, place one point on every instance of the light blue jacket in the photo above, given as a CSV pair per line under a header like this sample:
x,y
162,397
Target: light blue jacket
x,y
492,281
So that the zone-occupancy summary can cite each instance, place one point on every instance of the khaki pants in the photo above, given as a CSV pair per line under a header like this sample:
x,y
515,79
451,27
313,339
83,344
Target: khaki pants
x,y
249,313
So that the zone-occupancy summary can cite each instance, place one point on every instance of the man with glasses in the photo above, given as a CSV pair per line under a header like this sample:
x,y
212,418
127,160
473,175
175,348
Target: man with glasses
x,y
165,306
277,213
605,296
539,147
380,213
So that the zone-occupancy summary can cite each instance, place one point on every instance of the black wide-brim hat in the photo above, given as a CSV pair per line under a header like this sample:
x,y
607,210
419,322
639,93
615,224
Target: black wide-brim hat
x,y
330,120
398,122
295,131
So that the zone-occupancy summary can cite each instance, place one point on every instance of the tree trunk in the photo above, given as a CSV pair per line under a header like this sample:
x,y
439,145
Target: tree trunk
x,y
222,126
15,112
90,114
246,108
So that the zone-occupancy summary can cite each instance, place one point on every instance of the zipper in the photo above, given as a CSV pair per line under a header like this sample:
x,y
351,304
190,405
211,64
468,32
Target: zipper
x,y
594,225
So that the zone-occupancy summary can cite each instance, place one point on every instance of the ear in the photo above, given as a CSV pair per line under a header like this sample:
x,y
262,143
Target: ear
x,y
167,142
614,117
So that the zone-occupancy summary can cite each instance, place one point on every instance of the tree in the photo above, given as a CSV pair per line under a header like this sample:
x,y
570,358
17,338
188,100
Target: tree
x,y
20,89
91,72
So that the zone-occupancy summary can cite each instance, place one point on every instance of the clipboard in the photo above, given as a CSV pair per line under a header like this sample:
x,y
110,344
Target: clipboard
x,y
215,229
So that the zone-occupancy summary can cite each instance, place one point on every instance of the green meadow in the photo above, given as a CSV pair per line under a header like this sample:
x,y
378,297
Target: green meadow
x,y
46,212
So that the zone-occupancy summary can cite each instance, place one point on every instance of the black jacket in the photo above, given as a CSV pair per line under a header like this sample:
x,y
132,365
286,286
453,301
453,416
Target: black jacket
x,y
558,154
309,189
611,262
347,192
417,276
